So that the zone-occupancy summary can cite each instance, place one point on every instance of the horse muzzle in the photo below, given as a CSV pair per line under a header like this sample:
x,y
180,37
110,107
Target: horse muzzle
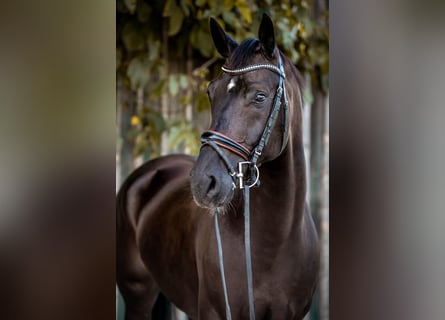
x,y
211,186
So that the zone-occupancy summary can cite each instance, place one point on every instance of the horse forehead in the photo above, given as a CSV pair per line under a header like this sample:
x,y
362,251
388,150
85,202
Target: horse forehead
x,y
264,77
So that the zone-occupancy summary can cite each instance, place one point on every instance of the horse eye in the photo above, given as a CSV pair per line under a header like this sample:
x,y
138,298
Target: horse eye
x,y
260,97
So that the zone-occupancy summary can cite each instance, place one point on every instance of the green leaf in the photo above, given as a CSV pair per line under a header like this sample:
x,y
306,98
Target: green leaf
x,y
138,72
173,85
308,25
168,8
184,7
158,122
183,81
176,18
230,18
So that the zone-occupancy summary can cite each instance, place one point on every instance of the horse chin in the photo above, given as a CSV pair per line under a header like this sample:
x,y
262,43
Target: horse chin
x,y
219,202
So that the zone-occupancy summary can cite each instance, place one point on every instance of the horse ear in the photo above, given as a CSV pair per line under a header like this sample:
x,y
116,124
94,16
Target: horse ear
x,y
223,42
266,35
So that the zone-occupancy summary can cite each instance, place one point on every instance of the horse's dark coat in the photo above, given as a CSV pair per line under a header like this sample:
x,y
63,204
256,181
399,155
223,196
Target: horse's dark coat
x,y
166,237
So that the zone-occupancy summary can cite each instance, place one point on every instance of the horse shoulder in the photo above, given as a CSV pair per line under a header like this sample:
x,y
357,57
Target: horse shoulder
x,y
160,209
143,199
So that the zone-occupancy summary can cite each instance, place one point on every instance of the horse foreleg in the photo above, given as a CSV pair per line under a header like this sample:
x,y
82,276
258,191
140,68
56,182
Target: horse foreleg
x,y
138,289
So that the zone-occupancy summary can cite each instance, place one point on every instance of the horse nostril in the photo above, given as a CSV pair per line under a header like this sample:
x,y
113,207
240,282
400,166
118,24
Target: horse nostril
x,y
211,190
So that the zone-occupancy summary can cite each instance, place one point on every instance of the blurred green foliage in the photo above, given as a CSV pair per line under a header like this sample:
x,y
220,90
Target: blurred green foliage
x,y
165,47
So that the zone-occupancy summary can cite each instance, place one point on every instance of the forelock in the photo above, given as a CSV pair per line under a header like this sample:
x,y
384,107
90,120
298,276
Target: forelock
x,y
243,53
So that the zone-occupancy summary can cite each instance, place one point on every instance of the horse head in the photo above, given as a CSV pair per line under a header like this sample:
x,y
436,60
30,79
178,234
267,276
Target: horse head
x,y
242,102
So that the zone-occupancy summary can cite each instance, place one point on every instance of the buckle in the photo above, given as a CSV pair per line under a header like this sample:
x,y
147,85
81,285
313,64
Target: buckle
x,y
240,174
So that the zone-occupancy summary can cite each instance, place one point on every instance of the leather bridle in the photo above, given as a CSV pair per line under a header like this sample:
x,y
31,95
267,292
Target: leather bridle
x,y
218,140
251,157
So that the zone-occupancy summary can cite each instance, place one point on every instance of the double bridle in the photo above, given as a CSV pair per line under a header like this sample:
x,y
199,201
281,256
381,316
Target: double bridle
x,y
218,140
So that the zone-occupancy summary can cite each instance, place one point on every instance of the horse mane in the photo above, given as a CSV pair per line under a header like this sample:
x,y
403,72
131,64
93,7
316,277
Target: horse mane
x,y
296,73
241,55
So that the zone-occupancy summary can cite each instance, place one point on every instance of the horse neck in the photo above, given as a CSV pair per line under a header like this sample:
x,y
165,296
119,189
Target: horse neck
x,y
283,181
277,205
282,192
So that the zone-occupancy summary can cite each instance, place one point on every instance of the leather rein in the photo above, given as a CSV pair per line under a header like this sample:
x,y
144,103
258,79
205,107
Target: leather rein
x,y
218,140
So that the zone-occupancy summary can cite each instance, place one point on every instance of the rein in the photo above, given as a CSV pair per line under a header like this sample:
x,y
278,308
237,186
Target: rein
x,y
218,140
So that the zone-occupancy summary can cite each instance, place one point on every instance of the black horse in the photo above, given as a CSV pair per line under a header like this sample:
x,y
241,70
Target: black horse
x,y
166,239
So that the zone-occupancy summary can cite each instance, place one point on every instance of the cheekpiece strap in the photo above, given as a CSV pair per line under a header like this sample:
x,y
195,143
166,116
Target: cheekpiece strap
x,y
272,118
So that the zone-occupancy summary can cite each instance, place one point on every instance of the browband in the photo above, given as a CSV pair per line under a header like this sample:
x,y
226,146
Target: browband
x,y
253,68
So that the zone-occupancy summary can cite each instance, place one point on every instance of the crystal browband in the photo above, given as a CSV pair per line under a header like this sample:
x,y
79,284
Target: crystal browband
x,y
253,68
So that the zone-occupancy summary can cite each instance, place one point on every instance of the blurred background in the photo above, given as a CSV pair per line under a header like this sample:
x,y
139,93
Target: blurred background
x,y
58,136
165,59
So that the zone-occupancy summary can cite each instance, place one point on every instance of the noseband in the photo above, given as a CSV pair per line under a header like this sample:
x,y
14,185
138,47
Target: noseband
x,y
218,140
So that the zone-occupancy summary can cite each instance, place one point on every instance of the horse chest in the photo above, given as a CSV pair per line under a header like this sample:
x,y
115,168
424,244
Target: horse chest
x,y
280,287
